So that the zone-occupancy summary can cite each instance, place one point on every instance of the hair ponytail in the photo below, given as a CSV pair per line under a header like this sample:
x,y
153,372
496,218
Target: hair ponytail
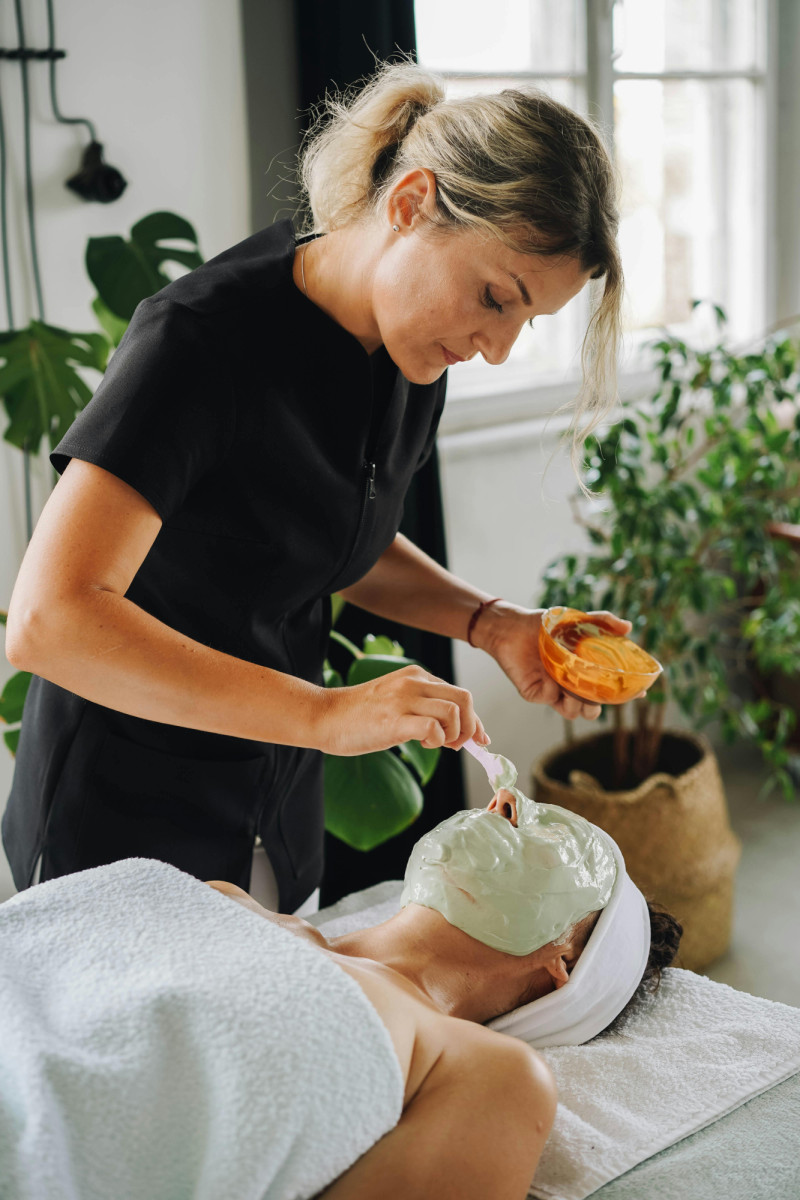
x,y
349,152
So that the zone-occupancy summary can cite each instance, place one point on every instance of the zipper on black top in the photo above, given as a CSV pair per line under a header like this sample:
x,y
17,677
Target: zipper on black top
x,y
369,468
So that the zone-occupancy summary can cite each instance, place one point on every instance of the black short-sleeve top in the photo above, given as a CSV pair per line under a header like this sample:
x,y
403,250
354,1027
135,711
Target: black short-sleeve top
x,y
276,451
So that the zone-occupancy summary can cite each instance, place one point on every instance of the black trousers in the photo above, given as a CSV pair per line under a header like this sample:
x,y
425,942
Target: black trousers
x,y
92,786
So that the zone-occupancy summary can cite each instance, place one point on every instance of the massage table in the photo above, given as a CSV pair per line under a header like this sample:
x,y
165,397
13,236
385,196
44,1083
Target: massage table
x,y
748,1149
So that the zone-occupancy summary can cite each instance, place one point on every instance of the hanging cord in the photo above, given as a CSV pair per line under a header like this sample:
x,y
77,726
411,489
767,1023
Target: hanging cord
x,y
26,465
95,180
4,220
26,109
53,59
31,223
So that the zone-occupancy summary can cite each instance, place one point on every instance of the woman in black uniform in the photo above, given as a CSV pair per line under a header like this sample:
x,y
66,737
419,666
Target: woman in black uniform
x,y
247,455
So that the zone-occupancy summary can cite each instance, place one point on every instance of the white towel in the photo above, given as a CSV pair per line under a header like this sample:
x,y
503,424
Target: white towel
x,y
694,1052
159,1040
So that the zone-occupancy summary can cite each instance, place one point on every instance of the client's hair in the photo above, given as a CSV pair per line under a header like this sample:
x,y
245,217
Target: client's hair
x,y
665,938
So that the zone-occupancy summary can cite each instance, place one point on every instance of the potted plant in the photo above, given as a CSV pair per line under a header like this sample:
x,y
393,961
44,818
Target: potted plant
x,y
694,479
43,390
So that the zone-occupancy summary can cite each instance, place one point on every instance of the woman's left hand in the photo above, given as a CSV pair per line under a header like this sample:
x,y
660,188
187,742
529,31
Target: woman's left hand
x,y
511,635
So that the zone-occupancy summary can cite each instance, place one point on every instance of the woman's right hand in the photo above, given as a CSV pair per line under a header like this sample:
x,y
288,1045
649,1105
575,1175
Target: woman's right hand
x,y
406,705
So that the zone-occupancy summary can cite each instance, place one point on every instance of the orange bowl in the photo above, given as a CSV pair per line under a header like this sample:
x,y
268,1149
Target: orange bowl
x,y
591,662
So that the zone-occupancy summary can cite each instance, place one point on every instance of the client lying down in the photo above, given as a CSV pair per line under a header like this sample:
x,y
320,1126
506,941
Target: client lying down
x,y
156,1039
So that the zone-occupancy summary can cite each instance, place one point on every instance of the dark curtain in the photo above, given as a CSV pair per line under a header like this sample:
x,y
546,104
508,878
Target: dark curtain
x,y
335,45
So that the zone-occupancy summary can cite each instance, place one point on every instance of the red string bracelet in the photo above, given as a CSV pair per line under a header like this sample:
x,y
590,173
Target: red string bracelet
x,y
484,604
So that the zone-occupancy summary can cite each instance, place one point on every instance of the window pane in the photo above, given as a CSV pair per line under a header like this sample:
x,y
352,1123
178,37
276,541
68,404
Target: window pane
x,y
691,208
683,35
508,35
458,36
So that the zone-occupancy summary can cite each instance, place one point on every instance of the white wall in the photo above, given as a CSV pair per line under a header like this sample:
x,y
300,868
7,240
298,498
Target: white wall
x,y
163,83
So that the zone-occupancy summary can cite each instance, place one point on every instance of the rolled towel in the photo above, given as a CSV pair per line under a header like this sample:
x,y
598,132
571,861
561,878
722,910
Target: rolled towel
x,y
602,981
157,1039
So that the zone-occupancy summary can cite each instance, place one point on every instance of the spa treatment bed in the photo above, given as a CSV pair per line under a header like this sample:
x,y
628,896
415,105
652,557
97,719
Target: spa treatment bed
x,y
697,1097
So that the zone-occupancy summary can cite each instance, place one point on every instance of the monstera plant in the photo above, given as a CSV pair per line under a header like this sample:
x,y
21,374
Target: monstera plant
x,y
369,798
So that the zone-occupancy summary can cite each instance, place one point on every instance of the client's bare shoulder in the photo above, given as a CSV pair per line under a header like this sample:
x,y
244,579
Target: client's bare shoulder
x,y
429,1045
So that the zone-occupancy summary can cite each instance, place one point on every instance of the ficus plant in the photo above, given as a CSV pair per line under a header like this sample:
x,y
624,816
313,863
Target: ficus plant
x,y
694,488
369,798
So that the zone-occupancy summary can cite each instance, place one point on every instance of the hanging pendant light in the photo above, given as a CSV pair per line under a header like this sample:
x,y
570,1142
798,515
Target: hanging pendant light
x,y
96,180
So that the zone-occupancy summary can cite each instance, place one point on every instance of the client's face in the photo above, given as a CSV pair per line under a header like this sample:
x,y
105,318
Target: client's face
x,y
516,876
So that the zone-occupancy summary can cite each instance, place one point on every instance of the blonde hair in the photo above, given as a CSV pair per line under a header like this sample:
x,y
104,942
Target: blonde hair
x,y
516,164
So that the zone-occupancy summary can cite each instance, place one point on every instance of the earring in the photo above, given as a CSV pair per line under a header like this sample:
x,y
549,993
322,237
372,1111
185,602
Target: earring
x,y
396,228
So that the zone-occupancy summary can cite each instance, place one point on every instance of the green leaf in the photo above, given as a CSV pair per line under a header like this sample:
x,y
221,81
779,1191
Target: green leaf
x,y
125,273
13,697
332,678
369,798
39,381
11,739
335,636
114,326
372,666
423,760
337,604
382,645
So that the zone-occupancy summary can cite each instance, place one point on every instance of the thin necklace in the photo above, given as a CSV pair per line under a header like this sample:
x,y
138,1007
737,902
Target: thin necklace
x,y
303,266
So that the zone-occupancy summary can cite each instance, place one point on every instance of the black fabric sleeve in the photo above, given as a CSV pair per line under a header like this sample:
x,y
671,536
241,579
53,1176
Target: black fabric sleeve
x,y
163,413
430,441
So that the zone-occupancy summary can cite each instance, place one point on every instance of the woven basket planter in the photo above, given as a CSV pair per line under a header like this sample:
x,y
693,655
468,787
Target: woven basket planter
x,y
673,830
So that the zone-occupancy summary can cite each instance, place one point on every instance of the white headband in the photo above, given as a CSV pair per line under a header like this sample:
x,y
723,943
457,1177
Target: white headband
x,y
602,981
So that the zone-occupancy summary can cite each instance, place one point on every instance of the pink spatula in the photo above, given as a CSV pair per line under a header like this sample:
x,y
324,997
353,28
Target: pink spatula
x,y
500,771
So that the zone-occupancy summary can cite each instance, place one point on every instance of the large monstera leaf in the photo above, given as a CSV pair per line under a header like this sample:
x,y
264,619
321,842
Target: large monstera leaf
x,y
370,798
125,272
39,382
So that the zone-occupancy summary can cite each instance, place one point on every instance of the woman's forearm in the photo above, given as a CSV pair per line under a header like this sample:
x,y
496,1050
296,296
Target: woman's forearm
x,y
408,586
107,649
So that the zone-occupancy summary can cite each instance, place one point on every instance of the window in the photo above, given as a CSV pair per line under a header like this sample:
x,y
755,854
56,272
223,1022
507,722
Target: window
x,y
681,89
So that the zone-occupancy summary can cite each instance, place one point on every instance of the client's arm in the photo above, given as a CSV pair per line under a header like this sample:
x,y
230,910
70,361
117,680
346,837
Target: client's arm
x,y
475,1130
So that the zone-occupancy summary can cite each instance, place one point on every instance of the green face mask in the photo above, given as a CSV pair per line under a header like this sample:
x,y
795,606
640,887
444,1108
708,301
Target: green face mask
x,y
514,889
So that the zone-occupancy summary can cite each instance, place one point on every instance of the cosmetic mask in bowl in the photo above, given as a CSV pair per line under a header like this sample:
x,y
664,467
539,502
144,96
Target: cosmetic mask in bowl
x,y
512,888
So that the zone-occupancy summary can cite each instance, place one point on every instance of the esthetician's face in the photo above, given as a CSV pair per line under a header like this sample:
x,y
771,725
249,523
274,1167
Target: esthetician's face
x,y
515,876
441,297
